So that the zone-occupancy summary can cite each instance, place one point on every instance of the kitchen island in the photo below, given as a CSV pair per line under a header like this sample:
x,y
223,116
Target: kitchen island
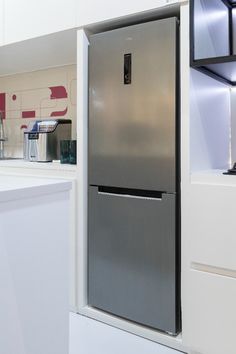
x,y
34,276
55,170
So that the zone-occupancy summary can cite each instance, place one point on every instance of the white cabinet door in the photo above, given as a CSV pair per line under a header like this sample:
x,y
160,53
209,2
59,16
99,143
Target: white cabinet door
x,y
209,319
34,302
1,21
210,225
209,267
24,19
92,11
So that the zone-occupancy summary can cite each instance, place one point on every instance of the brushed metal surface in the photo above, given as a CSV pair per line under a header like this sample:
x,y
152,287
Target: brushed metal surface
x,y
132,128
47,147
132,258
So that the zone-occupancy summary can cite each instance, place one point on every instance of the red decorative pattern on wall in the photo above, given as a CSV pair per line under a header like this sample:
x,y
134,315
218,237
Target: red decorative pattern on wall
x,y
13,104
59,113
58,92
28,114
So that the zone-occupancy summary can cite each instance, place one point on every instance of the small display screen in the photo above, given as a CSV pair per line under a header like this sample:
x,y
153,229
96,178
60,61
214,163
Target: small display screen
x,y
127,68
33,136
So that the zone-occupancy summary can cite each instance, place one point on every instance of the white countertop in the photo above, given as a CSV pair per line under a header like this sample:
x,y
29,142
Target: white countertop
x,y
21,187
213,177
20,163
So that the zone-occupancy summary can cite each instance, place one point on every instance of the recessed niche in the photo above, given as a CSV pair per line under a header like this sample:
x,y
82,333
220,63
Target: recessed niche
x,y
210,123
210,29
213,38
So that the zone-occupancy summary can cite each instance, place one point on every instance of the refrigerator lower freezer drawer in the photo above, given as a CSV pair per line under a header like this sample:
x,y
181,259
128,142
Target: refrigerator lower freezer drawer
x,y
132,258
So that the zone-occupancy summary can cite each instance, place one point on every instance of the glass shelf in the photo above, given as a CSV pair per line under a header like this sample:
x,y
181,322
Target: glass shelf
x,y
220,68
213,177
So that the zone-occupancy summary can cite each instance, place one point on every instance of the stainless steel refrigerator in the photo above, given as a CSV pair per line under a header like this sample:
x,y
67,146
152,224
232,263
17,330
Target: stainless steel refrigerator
x,y
133,247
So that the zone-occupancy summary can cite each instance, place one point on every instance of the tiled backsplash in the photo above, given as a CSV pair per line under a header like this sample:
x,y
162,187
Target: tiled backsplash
x,y
41,94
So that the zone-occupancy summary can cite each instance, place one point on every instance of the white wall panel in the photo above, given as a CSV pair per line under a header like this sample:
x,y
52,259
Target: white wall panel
x,y
25,19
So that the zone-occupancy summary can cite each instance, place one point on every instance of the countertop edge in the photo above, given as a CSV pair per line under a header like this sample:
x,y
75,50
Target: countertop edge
x,y
48,166
35,191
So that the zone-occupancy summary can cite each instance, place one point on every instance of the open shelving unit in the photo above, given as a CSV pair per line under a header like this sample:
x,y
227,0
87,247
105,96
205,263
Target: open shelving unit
x,y
212,90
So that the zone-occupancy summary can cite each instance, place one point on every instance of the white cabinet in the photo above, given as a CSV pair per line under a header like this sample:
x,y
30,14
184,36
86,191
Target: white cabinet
x,y
211,322
208,209
209,265
34,273
59,171
210,222
25,19
1,21
92,11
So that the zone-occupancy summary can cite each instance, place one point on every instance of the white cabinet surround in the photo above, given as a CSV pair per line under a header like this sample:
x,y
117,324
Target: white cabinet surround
x,y
91,11
34,275
88,336
24,19
208,264
82,302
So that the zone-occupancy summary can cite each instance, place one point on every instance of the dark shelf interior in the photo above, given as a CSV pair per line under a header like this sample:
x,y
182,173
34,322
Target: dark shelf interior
x,y
230,2
220,68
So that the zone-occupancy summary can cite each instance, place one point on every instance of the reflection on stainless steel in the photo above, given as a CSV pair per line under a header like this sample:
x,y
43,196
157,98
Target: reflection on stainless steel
x,y
10,158
42,139
132,127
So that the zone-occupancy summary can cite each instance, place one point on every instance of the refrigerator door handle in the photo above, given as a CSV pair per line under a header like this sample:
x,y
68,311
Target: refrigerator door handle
x,y
129,196
130,193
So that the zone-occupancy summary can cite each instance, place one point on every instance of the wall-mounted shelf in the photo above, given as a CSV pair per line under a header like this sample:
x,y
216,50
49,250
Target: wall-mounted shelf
x,y
220,68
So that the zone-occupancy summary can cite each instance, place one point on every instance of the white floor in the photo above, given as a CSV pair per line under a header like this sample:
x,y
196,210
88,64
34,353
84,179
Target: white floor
x,y
92,337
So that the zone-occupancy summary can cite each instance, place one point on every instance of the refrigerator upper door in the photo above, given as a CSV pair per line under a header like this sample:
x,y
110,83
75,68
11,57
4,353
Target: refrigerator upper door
x,y
132,107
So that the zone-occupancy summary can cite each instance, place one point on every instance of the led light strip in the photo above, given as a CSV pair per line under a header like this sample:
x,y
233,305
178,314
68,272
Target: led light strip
x,y
224,272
